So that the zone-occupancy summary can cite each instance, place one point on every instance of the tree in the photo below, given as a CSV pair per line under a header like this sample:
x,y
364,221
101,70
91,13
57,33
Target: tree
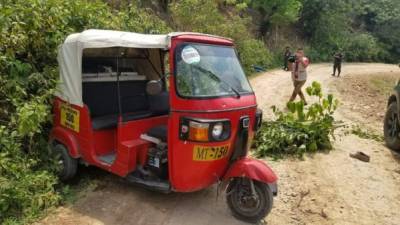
x,y
277,12
325,23
382,19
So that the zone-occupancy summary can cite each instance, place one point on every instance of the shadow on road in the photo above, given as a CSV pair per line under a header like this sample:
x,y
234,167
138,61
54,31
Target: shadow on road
x,y
115,201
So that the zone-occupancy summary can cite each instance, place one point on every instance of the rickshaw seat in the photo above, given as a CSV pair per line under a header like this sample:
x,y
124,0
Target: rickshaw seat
x,y
160,132
111,121
136,115
105,122
134,105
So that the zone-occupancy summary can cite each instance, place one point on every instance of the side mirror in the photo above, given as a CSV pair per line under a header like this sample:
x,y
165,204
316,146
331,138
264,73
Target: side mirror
x,y
154,87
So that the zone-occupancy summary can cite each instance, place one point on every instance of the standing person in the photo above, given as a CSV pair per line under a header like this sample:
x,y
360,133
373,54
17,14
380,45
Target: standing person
x,y
337,63
299,75
286,56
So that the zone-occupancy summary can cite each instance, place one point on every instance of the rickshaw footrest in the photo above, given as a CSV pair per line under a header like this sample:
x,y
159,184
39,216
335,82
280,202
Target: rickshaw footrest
x,y
109,158
156,185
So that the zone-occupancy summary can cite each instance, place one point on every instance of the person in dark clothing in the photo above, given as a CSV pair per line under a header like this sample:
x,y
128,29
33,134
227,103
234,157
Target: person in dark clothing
x,y
337,63
286,56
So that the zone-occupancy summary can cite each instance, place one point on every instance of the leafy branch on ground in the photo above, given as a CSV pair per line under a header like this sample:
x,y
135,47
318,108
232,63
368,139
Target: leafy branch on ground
x,y
365,133
299,130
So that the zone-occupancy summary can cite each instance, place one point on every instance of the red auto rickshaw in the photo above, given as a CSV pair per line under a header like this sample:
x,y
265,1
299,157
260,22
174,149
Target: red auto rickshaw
x,y
168,112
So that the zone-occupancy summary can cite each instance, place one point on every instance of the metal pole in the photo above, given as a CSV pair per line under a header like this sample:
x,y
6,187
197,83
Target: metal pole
x,y
118,86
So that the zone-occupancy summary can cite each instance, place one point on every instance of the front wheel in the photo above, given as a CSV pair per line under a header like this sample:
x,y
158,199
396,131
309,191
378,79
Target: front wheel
x,y
249,200
391,127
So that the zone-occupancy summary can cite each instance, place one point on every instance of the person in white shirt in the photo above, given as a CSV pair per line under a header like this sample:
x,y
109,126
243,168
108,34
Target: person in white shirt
x,y
299,75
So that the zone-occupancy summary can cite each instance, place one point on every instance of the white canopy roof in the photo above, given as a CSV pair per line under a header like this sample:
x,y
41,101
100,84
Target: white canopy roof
x,y
110,38
70,54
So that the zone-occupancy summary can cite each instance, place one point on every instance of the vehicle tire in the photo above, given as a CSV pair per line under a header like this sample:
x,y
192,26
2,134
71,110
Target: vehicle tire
x,y
245,207
68,165
391,127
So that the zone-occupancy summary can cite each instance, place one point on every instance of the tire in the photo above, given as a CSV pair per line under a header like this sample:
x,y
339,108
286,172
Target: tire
x,y
391,127
235,196
68,165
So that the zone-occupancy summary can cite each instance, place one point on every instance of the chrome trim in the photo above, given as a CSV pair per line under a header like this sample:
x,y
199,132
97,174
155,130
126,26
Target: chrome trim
x,y
246,122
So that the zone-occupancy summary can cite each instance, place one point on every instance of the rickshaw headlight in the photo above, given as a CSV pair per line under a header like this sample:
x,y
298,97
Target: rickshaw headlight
x,y
204,130
217,130
198,131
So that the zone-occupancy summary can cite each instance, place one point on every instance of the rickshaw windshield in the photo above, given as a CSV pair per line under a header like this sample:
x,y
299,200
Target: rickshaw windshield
x,y
209,71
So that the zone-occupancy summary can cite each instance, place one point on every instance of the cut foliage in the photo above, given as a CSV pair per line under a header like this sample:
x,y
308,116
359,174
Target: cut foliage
x,y
301,129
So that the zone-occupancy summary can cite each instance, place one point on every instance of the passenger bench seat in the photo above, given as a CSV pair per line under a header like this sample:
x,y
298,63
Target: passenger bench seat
x,y
105,122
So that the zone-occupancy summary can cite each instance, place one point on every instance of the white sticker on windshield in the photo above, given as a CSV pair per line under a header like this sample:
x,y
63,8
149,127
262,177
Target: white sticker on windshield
x,y
190,55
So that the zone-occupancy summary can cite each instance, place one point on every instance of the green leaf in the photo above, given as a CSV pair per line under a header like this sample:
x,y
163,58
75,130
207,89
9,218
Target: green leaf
x,y
291,106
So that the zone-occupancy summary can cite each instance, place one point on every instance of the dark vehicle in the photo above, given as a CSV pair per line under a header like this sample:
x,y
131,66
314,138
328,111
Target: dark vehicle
x,y
391,127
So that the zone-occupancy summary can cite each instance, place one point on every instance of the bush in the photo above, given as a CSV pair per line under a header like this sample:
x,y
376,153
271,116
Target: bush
x,y
25,191
316,55
300,130
253,52
203,16
362,47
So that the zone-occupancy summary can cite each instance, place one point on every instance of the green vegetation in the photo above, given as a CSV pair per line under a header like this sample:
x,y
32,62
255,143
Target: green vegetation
x,y
353,26
205,17
366,134
301,129
364,30
31,30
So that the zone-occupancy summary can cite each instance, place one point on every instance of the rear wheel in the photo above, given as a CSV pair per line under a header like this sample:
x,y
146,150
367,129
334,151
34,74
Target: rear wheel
x,y
67,166
249,200
391,127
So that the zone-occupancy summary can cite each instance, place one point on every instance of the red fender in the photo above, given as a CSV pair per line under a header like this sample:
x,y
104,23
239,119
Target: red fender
x,y
252,168
67,139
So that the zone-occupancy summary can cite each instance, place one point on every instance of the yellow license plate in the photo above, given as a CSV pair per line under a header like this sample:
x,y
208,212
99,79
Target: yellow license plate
x,y
69,117
209,153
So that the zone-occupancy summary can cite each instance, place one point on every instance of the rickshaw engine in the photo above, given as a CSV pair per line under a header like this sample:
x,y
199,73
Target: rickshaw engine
x,y
157,161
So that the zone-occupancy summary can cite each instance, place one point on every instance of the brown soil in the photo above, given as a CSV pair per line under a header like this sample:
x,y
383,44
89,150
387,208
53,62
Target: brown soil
x,y
366,95
325,188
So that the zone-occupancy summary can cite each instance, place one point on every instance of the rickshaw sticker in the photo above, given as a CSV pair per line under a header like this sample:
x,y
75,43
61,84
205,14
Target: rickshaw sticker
x,y
190,55
69,117
210,153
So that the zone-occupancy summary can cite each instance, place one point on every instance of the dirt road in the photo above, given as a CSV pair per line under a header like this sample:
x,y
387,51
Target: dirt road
x,y
326,188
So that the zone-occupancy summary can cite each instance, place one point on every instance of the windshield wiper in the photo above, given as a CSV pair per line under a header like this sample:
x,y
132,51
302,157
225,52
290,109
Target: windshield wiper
x,y
215,77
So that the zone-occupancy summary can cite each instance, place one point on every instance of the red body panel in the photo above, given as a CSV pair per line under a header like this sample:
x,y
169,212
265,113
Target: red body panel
x,y
105,141
131,144
185,173
200,174
64,136
252,168
89,144
74,141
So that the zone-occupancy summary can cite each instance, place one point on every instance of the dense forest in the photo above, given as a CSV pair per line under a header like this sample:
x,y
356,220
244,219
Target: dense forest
x,y
31,30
